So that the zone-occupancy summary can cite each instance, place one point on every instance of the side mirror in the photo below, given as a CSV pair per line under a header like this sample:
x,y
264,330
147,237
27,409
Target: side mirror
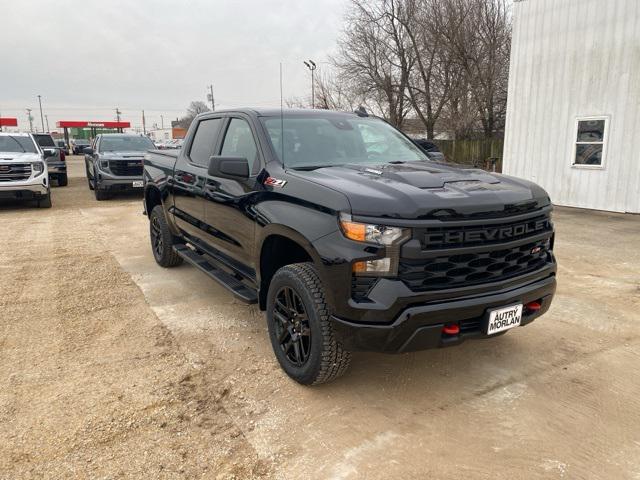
x,y
87,150
236,168
49,152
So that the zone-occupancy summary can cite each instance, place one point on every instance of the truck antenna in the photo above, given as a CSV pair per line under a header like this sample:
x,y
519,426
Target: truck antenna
x,y
281,119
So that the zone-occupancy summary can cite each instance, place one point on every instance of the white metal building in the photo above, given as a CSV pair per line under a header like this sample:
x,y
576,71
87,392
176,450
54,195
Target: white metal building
x,y
573,112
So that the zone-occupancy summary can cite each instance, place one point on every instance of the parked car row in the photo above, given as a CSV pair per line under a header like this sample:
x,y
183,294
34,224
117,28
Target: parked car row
x,y
174,144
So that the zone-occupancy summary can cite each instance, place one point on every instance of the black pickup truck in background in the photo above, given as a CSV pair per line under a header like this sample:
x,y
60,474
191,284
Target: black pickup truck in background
x,y
348,235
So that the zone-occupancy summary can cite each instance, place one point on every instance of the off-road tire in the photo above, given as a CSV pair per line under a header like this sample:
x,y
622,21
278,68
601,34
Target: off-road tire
x,y
327,359
44,201
166,256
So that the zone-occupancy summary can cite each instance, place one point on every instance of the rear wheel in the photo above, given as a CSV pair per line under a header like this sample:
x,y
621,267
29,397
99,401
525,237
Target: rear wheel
x,y
299,327
63,180
162,239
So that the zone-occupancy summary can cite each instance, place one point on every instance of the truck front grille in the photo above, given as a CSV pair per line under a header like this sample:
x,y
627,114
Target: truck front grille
x,y
467,269
126,168
14,172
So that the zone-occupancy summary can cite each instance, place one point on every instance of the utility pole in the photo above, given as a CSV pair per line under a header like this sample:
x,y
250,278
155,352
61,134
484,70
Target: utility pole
x,y
311,65
162,122
30,118
210,97
118,112
41,117
46,117
144,125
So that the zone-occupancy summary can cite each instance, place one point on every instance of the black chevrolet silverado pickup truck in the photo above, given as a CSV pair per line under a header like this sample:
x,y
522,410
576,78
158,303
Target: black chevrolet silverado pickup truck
x,y
348,235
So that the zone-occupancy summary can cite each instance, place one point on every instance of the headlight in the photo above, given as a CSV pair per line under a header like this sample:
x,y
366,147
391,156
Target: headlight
x,y
364,232
390,237
38,168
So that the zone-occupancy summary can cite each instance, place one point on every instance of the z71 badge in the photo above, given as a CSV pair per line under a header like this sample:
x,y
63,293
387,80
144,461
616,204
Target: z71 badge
x,y
274,182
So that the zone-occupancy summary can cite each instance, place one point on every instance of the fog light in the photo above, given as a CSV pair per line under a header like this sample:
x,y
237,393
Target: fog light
x,y
375,266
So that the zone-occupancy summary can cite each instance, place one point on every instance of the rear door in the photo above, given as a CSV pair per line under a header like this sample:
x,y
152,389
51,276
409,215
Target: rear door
x,y
190,177
228,213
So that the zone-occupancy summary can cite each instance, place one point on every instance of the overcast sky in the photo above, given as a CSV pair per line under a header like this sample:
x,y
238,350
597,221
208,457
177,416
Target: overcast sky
x,y
88,57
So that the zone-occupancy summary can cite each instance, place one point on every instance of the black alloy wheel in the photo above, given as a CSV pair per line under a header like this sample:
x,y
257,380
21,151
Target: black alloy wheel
x,y
291,324
157,244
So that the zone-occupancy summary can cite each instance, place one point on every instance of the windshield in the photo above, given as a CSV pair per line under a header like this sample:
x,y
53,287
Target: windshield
x,y
44,140
9,143
312,142
81,141
126,144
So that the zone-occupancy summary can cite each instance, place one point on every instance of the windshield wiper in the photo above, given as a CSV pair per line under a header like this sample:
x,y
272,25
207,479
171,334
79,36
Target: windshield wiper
x,y
307,168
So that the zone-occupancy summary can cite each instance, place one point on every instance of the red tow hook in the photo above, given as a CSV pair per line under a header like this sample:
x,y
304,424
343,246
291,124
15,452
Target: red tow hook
x,y
451,329
533,307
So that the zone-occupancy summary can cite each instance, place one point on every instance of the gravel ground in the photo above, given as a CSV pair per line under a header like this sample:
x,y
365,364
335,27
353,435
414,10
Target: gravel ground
x,y
113,367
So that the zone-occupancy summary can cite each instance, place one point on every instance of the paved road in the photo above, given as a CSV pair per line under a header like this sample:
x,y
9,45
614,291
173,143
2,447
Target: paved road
x,y
557,399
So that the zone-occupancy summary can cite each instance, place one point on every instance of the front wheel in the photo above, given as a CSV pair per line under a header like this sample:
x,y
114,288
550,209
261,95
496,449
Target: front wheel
x,y
162,239
44,201
299,327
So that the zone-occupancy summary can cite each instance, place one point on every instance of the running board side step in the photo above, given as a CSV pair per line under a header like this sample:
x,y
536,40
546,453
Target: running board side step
x,y
228,281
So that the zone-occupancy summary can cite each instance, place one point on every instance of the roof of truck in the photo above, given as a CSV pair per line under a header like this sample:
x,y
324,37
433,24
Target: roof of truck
x,y
276,112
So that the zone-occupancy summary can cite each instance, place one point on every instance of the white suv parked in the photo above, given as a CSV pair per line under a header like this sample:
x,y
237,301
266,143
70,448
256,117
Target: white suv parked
x,y
23,170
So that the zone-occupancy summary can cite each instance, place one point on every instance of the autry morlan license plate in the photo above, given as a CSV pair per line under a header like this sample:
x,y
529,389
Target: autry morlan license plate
x,y
504,318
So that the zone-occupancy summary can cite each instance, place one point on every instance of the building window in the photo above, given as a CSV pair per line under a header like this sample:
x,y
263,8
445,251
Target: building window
x,y
590,142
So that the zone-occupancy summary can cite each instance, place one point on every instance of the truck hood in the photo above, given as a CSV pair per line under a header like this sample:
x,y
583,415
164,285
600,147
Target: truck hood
x,y
13,157
419,190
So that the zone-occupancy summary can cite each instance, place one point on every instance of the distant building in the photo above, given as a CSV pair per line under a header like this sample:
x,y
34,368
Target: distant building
x,y
573,110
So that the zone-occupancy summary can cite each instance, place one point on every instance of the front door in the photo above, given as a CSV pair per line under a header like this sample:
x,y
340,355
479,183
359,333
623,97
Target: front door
x,y
228,206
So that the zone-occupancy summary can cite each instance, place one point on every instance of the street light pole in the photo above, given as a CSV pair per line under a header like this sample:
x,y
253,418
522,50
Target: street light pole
x,y
162,122
30,118
144,124
41,117
311,65
46,117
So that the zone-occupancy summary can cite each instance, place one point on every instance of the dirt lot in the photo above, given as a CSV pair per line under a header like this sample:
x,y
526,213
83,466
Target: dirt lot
x,y
112,367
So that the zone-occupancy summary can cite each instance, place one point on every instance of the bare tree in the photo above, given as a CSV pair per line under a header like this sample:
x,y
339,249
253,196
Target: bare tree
x,y
478,36
195,108
374,57
334,93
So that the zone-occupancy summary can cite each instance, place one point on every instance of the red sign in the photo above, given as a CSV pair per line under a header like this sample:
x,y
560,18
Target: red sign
x,y
8,122
78,124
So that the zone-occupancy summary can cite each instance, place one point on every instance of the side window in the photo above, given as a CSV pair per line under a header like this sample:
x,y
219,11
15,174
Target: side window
x,y
590,142
204,141
239,142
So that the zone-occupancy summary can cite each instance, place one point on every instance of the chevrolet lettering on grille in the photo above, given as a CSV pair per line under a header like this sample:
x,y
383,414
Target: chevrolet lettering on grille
x,y
486,235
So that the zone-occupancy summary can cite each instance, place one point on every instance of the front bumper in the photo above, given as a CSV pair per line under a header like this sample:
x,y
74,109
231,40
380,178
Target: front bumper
x,y
26,189
108,181
419,327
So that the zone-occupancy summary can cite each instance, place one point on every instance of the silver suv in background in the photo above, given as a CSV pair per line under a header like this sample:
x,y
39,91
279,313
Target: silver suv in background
x,y
56,161
23,170
114,163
